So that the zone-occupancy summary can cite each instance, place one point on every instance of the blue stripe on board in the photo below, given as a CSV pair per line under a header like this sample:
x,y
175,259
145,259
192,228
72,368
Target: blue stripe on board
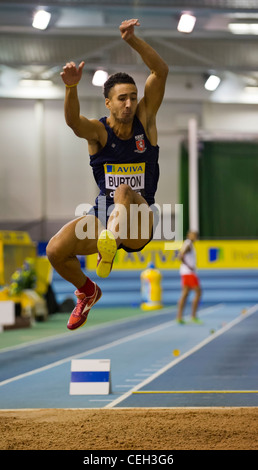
x,y
90,376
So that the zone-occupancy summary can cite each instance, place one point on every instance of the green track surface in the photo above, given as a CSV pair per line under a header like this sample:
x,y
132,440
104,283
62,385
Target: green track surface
x,y
56,325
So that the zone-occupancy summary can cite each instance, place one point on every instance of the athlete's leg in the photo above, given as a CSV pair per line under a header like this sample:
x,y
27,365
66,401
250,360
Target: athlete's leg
x,y
181,303
78,237
130,223
133,213
196,301
65,245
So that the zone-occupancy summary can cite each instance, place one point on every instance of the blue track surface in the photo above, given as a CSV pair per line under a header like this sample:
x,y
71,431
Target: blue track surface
x,y
220,356
228,286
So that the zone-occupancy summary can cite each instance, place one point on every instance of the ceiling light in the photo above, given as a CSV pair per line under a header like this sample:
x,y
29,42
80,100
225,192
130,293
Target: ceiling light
x,y
99,77
212,83
41,19
186,23
243,28
252,90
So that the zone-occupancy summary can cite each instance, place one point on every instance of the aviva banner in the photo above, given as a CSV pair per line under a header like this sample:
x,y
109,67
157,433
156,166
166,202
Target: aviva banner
x,y
214,254
227,254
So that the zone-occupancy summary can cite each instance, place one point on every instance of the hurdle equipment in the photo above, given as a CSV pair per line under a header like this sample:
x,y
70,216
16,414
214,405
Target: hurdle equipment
x,y
90,377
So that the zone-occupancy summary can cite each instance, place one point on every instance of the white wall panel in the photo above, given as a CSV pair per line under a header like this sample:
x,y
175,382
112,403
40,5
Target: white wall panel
x,y
69,179
19,161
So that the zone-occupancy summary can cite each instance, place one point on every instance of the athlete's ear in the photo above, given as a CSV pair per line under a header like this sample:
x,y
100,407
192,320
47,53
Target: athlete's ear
x,y
107,103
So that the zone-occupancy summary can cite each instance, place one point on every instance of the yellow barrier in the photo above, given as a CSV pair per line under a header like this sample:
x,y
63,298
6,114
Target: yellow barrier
x,y
216,254
239,254
44,273
151,289
153,253
14,248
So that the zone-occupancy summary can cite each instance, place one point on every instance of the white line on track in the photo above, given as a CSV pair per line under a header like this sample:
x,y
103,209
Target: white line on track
x,y
234,322
91,351
105,400
166,310
102,348
132,380
69,334
123,385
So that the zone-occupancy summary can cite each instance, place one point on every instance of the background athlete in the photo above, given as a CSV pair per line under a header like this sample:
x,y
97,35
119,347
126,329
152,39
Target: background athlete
x,y
189,278
128,137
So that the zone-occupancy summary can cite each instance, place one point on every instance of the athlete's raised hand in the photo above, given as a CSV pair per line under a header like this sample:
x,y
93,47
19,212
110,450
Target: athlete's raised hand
x,y
71,74
127,28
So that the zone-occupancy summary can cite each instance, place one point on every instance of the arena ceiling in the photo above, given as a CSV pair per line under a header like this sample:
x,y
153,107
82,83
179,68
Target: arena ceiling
x,y
88,30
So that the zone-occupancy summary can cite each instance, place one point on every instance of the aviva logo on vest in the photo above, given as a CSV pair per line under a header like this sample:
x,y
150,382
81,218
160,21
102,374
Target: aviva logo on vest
x,y
132,168
216,254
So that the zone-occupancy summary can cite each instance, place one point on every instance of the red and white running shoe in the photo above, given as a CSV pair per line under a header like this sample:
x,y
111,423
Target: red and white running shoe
x,y
80,313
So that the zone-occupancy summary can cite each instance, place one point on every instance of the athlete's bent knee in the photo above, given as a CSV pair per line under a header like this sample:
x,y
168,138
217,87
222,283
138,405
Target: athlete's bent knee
x,y
54,250
123,191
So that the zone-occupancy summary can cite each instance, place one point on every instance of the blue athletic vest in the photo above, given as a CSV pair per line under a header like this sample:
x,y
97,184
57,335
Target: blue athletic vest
x,y
133,162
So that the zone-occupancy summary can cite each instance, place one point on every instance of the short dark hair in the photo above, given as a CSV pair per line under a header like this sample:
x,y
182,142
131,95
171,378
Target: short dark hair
x,y
112,80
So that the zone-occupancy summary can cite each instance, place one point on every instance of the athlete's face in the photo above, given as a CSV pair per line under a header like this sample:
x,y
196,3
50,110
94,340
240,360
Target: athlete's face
x,y
122,102
193,236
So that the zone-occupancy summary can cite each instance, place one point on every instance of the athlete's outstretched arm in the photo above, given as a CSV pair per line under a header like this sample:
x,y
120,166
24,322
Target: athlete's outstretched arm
x,y
155,84
82,127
